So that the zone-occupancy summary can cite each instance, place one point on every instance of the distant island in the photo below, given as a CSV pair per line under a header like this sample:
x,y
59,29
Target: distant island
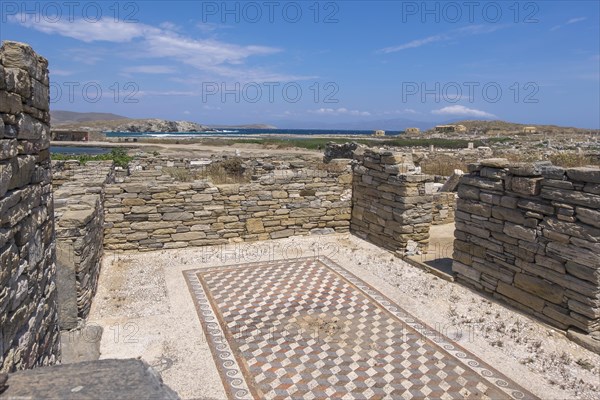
x,y
106,122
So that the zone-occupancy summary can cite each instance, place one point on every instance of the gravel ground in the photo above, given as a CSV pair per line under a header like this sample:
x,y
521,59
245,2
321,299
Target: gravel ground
x,y
146,296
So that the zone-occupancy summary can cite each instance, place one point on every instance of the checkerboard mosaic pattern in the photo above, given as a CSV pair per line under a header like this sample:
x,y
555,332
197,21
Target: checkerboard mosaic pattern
x,y
308,329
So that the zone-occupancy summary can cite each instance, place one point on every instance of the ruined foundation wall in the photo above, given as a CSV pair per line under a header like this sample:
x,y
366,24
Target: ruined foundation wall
x,y
79,220
154,215
444,207
28,315
530,235
391,206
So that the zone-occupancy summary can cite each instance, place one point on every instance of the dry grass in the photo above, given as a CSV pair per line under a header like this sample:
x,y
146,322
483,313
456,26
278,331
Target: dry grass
x,y
573,160
230,170
442,165
567,159
182,174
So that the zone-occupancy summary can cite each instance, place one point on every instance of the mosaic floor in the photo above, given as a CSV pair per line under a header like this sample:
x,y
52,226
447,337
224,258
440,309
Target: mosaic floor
x,y
308,329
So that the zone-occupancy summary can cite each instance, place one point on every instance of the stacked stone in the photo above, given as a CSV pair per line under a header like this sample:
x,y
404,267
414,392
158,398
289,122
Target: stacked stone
x,y
79,236
28,317
91,176
79,220
530,234
390,204
153,215
444,205
339,151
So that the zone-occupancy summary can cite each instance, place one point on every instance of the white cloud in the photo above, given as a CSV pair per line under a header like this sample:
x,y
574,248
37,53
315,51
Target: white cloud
x,y
208,55
186,112
339,111
569,22
463,111
150,69
207,27
106,29
443,37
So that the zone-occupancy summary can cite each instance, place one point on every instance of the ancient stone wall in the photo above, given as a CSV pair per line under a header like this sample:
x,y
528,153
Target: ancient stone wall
x,y
83,178
28,316
79,220
153,214
530,235
444,205
390,204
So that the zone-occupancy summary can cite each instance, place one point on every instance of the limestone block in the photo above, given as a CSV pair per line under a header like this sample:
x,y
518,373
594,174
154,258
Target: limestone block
x,y
546,290
506,214
178,216
482,183
40,95
520,296
255,225
471,207
128,202
526,186
584,174
590,274
466,271
552,172
187,236
588,216
520,232
572,197
22,171
282,233
582,231
18,81
10,103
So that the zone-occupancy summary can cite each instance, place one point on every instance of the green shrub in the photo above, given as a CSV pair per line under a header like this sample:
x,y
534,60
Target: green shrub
x,y
118,156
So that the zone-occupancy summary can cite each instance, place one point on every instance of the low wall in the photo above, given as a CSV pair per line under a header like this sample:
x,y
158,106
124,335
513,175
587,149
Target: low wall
x,y
29,334
530,235
79,220
79,237
444,206
390,204
153,215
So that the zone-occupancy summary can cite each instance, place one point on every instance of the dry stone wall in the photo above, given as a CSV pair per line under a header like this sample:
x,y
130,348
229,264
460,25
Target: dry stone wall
x,y
444,206
530,235
79,219
391,206
28,315
154,215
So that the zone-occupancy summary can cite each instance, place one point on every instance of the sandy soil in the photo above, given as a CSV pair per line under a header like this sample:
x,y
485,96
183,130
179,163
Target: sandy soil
x,y
197,149
147,311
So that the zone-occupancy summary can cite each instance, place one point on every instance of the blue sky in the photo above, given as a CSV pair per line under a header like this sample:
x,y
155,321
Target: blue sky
x,y
327,62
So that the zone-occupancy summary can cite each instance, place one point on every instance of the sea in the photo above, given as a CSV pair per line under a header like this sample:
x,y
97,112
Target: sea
x,y
296,134
251,132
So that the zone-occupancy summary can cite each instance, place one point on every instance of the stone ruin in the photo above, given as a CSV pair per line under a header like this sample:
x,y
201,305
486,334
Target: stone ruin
x,y
526,234
530,235
29,334
391,206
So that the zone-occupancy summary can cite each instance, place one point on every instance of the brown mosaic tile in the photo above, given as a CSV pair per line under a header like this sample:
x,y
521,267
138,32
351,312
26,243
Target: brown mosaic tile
x,y
308,329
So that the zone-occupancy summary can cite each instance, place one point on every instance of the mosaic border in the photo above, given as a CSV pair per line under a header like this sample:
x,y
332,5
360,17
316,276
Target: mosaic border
x,y
232,374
